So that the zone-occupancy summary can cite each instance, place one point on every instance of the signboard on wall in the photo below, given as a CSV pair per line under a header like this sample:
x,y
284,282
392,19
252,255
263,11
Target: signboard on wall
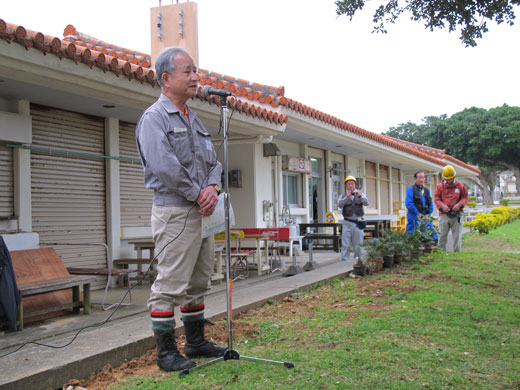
x,y
296,164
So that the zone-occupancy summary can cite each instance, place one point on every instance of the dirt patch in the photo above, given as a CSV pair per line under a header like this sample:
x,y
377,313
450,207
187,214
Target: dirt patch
x,y
377,287
245,325
146,366
142,366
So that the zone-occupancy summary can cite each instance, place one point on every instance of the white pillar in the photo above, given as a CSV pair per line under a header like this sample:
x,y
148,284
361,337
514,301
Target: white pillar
x,y
22,174
304,152
378,190
328,182
113,208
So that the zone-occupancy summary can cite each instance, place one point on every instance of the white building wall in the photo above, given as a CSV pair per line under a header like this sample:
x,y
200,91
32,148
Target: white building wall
x,y
288,148
263,188
355,167
240,156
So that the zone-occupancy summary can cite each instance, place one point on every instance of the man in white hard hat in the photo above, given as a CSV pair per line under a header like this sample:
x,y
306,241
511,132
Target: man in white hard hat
x,y
351,203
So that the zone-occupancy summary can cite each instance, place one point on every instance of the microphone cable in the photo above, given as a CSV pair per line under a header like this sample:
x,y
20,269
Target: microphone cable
x,y
99,324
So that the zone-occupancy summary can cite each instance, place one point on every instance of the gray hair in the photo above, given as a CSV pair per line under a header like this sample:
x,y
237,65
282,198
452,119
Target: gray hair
x,y
164,63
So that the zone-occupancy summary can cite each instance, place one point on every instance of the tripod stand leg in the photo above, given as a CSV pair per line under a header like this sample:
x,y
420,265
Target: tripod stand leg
x,y
197,367
234,355
230,354
286,364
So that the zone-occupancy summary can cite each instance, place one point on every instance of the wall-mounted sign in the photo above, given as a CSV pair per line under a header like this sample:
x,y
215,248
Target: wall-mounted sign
x,y
296,164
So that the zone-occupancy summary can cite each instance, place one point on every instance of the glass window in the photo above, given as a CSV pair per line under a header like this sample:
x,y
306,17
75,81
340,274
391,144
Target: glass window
x,y
337,183
315,165
290,189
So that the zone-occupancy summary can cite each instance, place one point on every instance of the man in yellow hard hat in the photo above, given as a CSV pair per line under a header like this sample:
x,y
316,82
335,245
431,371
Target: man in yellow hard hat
x,y
450,198
351,203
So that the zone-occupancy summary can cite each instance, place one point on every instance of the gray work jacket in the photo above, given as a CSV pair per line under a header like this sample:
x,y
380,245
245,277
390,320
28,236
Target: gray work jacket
x,y
352,207
178,157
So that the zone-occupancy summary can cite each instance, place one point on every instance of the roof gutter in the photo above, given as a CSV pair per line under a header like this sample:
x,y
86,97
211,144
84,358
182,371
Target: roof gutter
x,y
259,139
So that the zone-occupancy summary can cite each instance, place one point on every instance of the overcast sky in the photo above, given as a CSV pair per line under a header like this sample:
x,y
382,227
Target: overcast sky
x,y
374,81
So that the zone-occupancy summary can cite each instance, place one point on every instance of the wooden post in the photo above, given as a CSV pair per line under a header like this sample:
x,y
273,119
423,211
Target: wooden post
x,y
19,316
86,299
75,299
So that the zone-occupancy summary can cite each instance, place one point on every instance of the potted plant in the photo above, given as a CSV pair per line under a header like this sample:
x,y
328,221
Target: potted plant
x,y
428,231
401,248
360,266
388,249
399,241
372,252
416,241
428,242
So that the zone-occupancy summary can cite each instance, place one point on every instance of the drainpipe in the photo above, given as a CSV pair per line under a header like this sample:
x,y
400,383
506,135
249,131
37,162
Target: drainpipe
x,y
277,201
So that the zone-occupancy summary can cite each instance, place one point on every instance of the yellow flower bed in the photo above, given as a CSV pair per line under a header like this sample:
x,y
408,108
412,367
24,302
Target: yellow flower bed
x,y
498,216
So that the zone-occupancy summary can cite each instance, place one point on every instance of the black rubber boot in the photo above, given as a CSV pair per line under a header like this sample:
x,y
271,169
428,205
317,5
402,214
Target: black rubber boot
x,y
197,345
168,356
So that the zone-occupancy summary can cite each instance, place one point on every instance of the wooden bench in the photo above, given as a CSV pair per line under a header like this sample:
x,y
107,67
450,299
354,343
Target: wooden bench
x,y
336,241
46,287
124,263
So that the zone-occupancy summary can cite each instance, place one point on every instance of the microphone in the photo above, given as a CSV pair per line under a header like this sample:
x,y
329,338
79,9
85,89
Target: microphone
x,y
207,90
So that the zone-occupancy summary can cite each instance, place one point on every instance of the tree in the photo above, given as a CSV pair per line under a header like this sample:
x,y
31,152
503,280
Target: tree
x,y
408,132
470,15
489,139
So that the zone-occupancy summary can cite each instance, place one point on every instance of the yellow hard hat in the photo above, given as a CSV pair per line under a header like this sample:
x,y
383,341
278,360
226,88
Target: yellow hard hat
x,y
448,172
351,178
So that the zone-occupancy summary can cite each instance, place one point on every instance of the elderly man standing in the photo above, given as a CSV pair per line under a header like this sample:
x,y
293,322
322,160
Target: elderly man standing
x,y
450,198
351,203
419,204
181,166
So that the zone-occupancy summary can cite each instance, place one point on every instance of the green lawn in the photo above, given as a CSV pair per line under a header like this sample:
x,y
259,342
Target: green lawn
x,y
504,239
447,321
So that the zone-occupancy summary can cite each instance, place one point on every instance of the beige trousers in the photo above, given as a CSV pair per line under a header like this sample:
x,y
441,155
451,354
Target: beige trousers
x,y
445,225
185,266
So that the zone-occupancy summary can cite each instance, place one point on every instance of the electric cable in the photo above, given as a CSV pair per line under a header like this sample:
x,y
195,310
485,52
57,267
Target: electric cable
x,y
99,324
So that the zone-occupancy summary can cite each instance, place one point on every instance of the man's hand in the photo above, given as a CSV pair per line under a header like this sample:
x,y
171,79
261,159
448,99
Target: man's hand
x,y
445,208
207,200
420,215
456,207
357,194
349,193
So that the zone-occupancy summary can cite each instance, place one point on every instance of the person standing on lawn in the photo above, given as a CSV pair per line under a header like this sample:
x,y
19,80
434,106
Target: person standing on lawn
x,y
352,227
450,198
181,166
419,204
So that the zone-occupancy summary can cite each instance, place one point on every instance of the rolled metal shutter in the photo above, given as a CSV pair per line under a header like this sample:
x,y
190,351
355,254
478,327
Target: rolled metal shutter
x,y
136,200
6,178
68,191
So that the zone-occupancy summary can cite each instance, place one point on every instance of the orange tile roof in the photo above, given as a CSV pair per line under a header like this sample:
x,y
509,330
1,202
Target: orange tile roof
x,y
441,153
82,48
94,52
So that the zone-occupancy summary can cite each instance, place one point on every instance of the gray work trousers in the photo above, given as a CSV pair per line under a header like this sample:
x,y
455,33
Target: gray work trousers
x,y
351,238
185,266
454,224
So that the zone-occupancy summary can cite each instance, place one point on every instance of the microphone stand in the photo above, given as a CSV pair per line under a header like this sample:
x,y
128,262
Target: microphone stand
x,y
230,354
